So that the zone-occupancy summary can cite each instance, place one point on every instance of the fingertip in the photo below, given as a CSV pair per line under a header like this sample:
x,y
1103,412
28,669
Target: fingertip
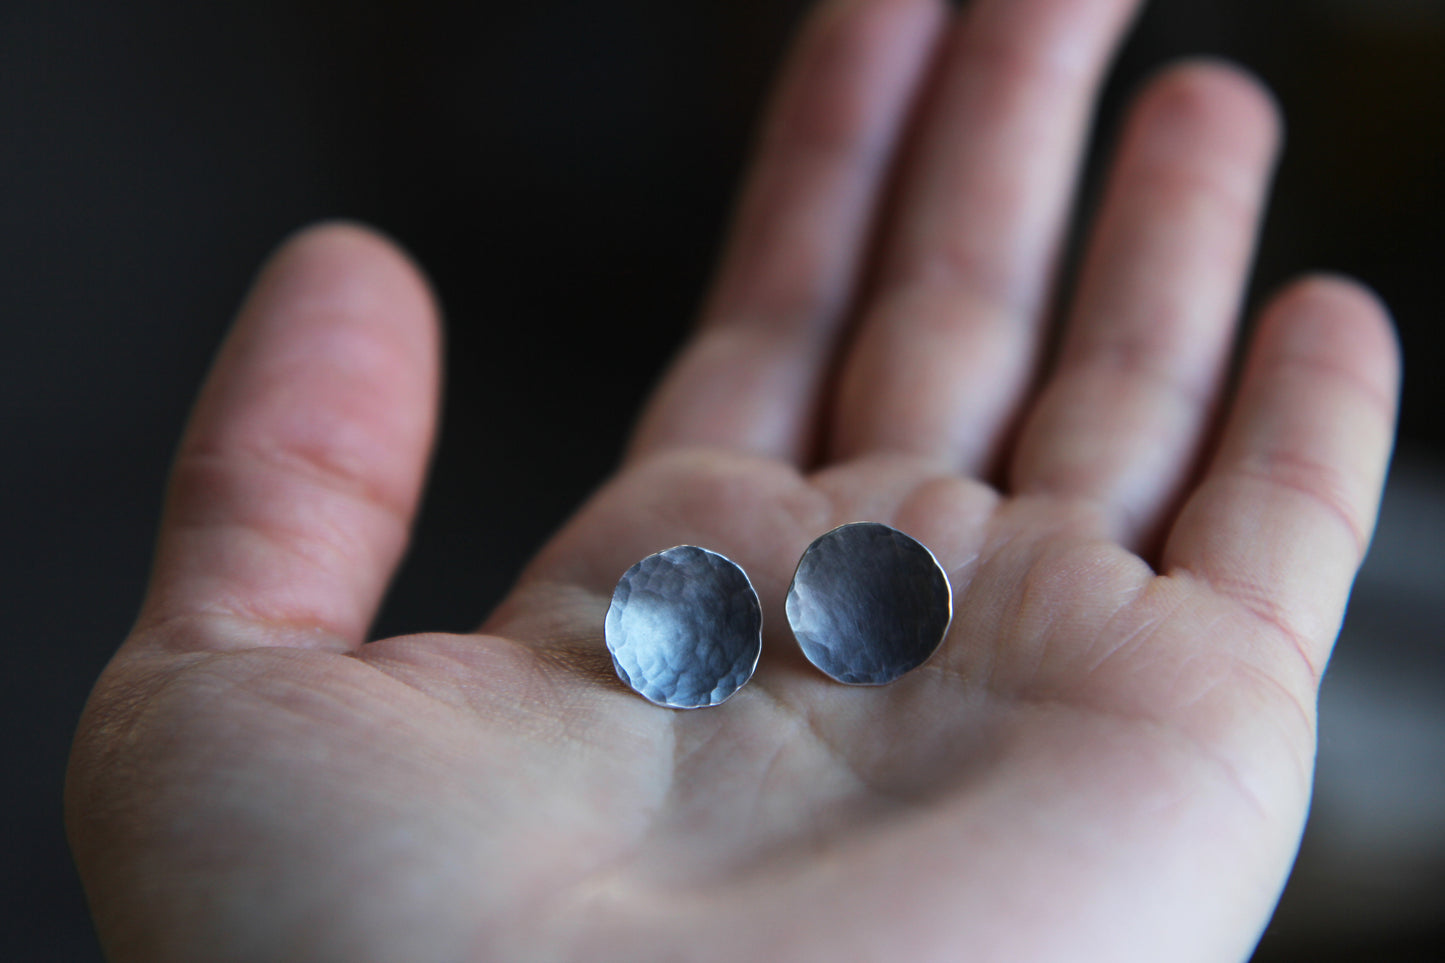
x,y
1338,303
1205,100
1336,321
356,283
356,263
346,234
335,355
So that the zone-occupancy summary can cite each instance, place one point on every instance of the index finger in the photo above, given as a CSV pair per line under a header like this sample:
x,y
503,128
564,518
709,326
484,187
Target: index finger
x,y
750,378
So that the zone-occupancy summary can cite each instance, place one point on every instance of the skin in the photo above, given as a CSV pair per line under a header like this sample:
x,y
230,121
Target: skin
x,y
1110,756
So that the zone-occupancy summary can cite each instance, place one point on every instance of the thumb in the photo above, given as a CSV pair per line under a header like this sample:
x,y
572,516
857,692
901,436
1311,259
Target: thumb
x,y
295,485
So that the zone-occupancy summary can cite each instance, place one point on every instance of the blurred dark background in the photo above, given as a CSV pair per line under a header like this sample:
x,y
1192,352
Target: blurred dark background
x,y
563,169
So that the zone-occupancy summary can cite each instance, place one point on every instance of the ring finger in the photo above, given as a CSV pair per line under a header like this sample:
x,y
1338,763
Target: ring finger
x,y
1122,417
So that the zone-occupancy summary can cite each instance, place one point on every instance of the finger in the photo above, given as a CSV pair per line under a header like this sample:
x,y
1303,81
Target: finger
x,y
1122,418
1283,517
750,378
948,347
295,484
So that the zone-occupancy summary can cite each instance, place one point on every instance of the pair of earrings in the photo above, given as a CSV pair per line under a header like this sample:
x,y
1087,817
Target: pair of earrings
x,y
867,603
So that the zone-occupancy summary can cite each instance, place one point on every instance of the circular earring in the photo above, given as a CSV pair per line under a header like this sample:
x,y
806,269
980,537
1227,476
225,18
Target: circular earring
x,y
685,628
868,603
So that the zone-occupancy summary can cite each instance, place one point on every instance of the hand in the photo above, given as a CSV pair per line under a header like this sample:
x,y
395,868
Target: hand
x,y
1108,759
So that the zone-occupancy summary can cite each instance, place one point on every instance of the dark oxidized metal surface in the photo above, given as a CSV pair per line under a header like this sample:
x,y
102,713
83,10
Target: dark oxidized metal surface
x,y
685,627
868,603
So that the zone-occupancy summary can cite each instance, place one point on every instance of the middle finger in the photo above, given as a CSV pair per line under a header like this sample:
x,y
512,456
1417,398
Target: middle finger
x,y
948,345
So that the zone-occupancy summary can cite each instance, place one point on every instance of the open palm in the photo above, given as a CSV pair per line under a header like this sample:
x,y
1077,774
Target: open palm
x,y
1110,756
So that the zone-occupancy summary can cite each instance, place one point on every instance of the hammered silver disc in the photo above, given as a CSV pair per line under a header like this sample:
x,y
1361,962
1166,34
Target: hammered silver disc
x,y
685,628
868,603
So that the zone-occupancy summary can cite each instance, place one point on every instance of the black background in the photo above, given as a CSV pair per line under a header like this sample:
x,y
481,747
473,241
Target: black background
x,y
563,169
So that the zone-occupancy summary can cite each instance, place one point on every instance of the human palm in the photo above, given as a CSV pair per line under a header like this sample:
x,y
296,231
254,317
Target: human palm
x,y
1108,758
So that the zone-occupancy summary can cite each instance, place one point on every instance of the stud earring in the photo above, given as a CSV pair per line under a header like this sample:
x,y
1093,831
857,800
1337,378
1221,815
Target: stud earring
x,y
685,628
868,603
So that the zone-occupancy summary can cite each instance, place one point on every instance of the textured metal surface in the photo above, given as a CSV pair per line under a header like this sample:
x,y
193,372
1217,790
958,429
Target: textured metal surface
x,y
685,628
868,603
